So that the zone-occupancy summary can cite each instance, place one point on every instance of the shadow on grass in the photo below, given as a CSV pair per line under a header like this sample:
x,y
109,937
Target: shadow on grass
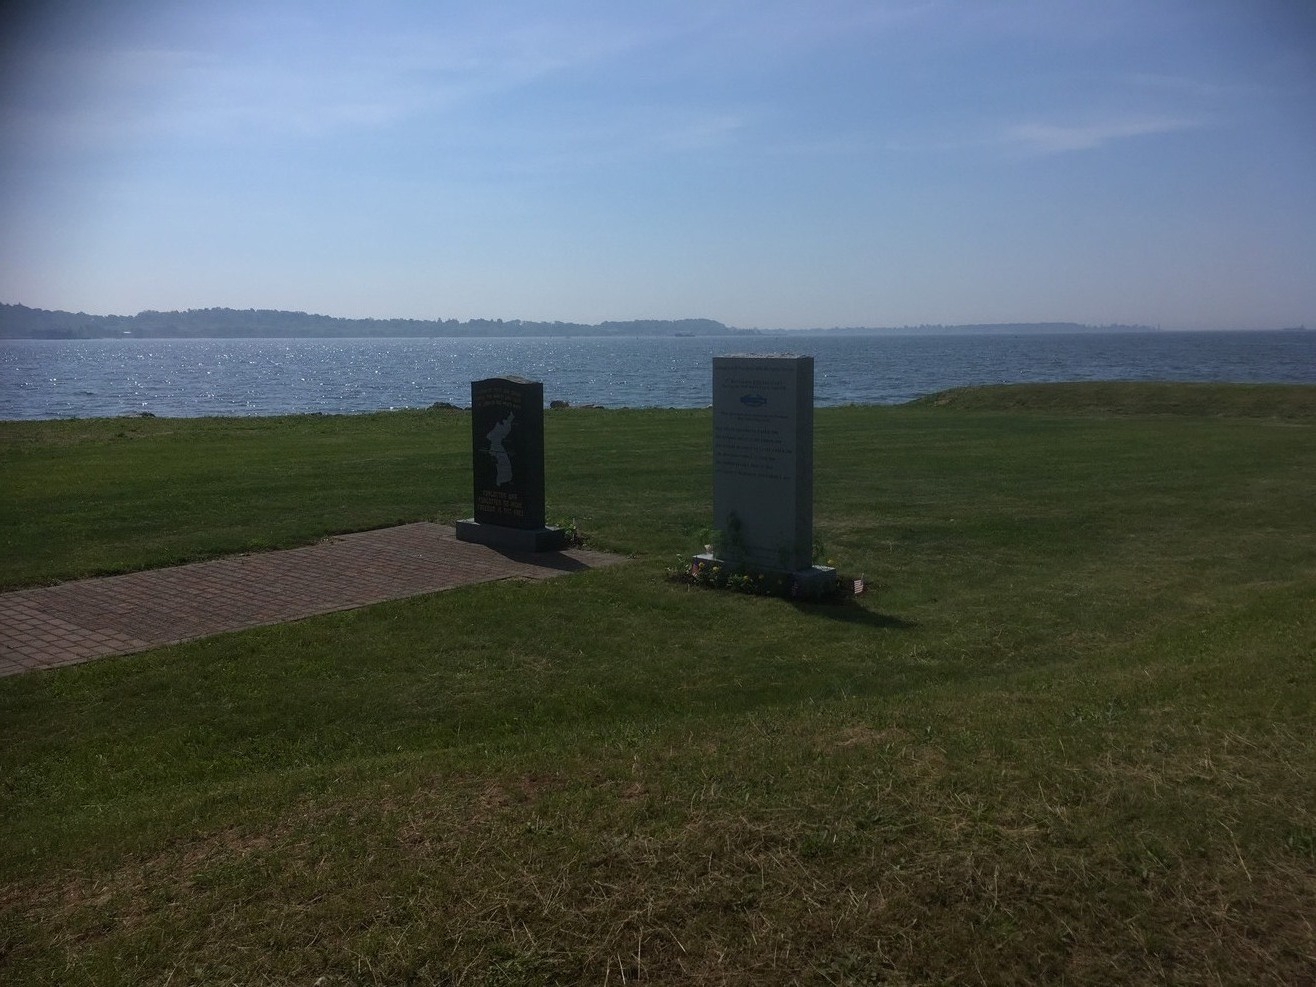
x,y
546,560
850,612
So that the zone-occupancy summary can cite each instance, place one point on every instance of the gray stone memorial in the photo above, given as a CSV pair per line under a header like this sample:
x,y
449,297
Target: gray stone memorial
x,y
507,465
763,469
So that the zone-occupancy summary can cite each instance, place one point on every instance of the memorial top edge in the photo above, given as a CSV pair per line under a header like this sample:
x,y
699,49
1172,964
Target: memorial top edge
x,y
762,356
508,378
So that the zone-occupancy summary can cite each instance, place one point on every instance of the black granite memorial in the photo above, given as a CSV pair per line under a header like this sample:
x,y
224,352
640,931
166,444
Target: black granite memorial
x,y
507,465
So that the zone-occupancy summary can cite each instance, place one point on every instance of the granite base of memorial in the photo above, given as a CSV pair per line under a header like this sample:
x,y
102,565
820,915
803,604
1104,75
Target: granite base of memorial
x,y
506,539
812,583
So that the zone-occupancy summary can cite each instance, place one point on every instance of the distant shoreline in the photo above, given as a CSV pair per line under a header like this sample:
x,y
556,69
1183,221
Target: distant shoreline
x,y
22,322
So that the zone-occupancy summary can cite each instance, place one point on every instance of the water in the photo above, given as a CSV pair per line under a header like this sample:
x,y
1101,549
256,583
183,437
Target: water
x,y
199,377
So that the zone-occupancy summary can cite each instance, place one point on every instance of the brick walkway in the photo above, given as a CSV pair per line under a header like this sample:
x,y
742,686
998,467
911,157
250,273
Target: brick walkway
x,y
92,618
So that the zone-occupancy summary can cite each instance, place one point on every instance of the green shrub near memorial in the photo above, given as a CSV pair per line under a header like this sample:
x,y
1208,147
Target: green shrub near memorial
x,y
1068,735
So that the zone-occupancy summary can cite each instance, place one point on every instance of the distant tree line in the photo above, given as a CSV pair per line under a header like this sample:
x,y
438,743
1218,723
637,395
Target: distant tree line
x,y
992,328
21,322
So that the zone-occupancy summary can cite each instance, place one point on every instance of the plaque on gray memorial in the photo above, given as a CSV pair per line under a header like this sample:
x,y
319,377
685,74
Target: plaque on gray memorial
x,y
763,464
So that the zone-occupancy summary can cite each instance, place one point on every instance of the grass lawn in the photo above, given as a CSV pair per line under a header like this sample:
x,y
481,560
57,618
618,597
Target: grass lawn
x,y
1069,736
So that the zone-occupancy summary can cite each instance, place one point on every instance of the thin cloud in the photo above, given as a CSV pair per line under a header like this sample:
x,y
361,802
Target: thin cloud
x,y
617,141
293,83
787,25
1185,86
1046,138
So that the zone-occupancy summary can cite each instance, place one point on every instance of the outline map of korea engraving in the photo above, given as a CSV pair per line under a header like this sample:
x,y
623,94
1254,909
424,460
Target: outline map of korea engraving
x,y
501,459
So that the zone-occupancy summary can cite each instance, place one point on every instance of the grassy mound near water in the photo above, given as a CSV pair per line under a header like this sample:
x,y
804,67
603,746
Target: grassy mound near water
x,y
1068,736
1272,401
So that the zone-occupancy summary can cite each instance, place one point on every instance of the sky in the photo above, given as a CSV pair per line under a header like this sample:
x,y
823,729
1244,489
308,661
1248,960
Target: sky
x,y
767,164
